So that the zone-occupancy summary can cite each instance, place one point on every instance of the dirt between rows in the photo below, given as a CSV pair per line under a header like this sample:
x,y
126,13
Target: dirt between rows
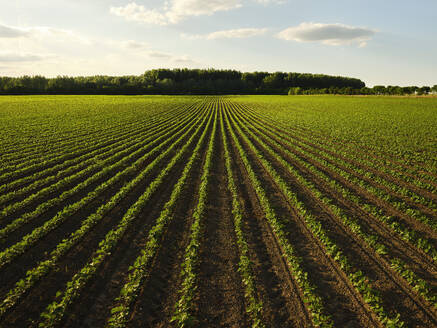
x,y
39,251
49,165
127,250
280,295
220,296
102,292
156,301
302,138
52,210
362,150
105,151
408,302
340,299
397,244
220,301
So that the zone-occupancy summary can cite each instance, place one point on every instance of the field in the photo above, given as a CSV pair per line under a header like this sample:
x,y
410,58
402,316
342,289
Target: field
x,y
233,211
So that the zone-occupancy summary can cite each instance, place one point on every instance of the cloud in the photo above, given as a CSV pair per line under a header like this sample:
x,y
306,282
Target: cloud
x,y
170,57
330,34
180,9
57,35
41,33
184,60
133,44
53,51
10,57
159,54
139,13
228,34
177,10
12,32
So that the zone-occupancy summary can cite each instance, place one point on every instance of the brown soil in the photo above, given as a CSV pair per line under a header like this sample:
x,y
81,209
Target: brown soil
x,y
416,225
117,264
39,250
398,164
49,165
409,302
50,211
220,299
221,293
282,300
340,298
156,301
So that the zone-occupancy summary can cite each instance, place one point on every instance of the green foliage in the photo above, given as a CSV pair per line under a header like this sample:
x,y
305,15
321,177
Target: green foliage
x,y
140,269
183,315
375,154
354,224
176,81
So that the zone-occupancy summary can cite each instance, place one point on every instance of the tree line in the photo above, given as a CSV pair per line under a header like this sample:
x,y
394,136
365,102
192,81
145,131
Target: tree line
x,y
177,81
376,90
200,81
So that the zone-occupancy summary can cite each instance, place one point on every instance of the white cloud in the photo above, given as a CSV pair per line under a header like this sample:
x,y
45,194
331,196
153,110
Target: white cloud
x,y
56,35
11,32
53,51
139,13
159,54
177,10
330,34
180,9
227,34
41,33
184,60
170,57
132,44
10,57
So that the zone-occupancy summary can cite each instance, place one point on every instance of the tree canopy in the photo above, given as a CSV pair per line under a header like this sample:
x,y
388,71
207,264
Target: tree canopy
x,y
177,81
202,81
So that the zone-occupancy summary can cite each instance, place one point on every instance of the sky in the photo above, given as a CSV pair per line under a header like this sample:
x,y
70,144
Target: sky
x,y
390,42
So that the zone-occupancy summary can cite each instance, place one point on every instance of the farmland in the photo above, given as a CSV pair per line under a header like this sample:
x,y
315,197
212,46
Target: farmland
x,y
231,211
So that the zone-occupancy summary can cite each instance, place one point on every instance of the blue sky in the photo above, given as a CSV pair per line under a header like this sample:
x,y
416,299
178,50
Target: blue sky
x,y
381,42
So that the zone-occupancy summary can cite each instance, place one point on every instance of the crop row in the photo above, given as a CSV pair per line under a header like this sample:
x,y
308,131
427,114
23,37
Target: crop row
x,y
310,296
20,247
183,314
53,173
56,160
349,150
361,283
352,223
132,151
56,310
394,223
140,269
39,145
255,306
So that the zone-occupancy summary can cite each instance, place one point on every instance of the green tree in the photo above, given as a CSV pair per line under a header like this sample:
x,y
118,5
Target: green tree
x,y
379,90
425,90
295,91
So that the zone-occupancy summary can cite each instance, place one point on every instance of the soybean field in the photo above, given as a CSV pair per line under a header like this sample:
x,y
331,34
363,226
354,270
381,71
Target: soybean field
x,y
218,211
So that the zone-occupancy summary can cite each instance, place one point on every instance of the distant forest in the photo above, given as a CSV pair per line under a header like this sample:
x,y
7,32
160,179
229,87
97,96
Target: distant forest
x,y
199,81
